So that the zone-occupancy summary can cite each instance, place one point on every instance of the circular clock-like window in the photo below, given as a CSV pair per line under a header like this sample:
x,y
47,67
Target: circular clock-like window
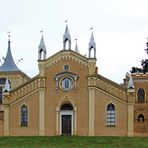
x,y
66,83
66,67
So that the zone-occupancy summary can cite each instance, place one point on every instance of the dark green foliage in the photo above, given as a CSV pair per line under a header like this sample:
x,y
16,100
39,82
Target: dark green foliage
x,y
136,70
144,64
73,142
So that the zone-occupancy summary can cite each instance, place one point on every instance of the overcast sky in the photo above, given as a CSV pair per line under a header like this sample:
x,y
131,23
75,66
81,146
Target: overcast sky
x,y
120,31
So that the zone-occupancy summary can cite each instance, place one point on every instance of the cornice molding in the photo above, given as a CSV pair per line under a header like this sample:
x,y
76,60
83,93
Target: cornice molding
x,y
66,55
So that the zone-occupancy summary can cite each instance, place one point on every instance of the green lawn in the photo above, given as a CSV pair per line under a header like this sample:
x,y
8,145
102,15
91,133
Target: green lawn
x,y
73,142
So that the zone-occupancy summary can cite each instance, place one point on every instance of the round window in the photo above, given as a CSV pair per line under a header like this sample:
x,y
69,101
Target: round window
x,y
66,83
66,67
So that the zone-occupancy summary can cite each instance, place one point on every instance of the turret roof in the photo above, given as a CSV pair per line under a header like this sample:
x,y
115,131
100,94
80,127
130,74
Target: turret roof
x,y
92,43
66,34
9,64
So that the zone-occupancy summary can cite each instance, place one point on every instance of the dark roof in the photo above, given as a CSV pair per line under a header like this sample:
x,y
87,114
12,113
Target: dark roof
x,y
9,64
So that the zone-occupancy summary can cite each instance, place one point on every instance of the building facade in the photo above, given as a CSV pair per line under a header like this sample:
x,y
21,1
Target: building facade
x,y
70,97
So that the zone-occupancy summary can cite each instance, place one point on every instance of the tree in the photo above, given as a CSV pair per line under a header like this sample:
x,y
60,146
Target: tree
x,y
144,64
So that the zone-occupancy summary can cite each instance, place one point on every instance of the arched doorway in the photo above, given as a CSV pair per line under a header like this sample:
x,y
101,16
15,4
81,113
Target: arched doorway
x,y
66,119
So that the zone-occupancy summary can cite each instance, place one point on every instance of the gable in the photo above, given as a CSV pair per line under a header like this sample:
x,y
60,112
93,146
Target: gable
x,y
66,55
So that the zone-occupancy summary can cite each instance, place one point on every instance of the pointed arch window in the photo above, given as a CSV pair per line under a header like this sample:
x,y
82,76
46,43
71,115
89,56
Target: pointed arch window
x,y
66,106
141,95
110,115
140,118
67,44
24,115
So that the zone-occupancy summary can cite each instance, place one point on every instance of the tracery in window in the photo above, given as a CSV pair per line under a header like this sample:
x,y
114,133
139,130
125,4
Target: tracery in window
x,y
110,115
141,95
67,83
24,115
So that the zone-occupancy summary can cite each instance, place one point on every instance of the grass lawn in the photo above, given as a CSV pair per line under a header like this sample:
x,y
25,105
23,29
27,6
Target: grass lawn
x,y
73,142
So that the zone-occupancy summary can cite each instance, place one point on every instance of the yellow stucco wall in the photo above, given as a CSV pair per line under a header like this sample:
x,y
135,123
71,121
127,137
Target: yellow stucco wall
x,y
101,128
55,98
32,102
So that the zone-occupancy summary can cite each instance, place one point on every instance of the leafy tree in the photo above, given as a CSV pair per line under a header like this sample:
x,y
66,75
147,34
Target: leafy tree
x,y
136,70
144,64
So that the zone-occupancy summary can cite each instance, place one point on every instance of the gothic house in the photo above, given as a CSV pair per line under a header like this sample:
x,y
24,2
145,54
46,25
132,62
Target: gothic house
x,y
69,97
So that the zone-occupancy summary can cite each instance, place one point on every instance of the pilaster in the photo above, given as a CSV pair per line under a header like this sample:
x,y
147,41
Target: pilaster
x,y
91,111
42,112
57,121
130,106
6,120
75,120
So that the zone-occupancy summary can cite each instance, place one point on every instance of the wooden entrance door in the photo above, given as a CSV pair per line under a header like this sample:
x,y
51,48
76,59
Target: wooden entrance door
x,y
66,125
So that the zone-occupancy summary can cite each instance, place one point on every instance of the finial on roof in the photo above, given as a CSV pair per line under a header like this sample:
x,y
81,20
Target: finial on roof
x,y
66,37
8,35
9,64
130,84
76,46
92,44
42,48
7,86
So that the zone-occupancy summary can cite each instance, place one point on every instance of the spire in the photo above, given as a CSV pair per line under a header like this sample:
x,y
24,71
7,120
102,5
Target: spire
x,y
42,48
7,86
9,64
66,37
92,45
130,84
66,34
76,47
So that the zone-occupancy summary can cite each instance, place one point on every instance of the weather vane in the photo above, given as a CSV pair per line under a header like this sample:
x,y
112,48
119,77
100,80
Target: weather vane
x,y
41,31
91,28
19,61
9,33
66,21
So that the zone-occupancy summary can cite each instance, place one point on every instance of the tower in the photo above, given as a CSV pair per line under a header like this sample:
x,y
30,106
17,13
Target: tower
x,y
9,71
9,64
42,49
66,38
92,46
76,47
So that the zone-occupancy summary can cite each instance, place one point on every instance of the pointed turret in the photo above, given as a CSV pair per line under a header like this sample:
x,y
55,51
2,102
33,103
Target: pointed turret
x,y
9,64
7,86
66,38
42,49
130,84
92,45
76,47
